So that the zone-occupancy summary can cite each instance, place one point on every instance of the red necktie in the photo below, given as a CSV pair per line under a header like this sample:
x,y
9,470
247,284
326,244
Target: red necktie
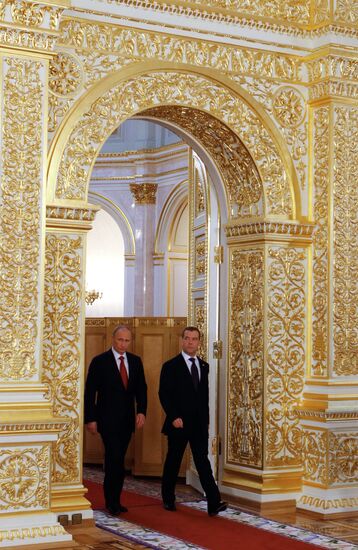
x,y
123,372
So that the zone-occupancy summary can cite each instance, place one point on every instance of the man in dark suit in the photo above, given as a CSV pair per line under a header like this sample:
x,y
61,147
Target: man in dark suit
x,y
184,395
115,387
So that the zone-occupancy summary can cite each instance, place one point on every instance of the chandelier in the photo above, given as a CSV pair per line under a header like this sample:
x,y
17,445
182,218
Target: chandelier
x,y
92,296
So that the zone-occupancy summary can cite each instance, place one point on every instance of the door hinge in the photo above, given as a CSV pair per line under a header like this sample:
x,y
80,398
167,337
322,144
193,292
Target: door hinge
x,y
218,254
217,349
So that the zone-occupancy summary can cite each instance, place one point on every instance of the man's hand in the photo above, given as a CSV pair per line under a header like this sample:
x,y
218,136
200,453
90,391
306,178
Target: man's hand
x,y
178,423
140,420
92,428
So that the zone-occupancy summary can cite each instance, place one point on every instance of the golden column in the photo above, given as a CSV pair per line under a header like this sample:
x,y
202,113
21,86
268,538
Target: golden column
x,y
28,426
63,351
329,412
267,339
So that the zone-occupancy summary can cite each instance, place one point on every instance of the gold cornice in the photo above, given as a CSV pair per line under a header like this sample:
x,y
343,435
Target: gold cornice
x,y
331,383
325,416
70,217
233,16
32,426
238,231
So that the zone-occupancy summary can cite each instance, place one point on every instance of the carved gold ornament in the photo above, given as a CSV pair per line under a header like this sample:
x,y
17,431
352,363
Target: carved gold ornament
x,y
320,241
27,13
65,75
245,385
345,331
61,347
144,193
241,176
156,88
288,107
24,478
19,478
285,354
22,118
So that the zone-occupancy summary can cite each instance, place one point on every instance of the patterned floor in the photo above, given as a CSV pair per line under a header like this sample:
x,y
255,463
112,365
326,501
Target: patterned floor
x,y
342,535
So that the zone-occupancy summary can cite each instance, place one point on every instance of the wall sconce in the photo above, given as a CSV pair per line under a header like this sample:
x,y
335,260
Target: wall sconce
x,y
92,296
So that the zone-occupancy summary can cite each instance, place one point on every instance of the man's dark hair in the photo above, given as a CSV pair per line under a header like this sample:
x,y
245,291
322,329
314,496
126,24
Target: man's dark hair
x,y
191,329
120,327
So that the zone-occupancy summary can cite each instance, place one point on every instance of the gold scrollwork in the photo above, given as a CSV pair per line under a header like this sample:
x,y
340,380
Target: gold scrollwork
x,y
245,386
24,474
27,13
285,354
320,242
314,452
61,354
20,218
345,330
241,176
200,323
156,88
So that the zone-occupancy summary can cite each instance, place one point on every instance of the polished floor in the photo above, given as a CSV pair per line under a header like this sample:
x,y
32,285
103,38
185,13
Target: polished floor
x,y
87,536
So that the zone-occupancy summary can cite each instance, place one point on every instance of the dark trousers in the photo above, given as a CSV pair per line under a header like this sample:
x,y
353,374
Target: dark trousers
x,y
198,441
115,448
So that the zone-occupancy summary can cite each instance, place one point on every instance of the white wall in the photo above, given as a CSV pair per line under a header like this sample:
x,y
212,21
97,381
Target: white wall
x,y
105,267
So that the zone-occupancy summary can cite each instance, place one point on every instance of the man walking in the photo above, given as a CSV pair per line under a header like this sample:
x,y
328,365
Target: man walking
x,y
184,395
115,402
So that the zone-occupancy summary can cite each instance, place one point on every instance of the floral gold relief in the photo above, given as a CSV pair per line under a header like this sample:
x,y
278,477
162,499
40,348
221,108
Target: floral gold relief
x,y
178,89
345,332
285,354
24,478
20,217
320,242
246,358
242,178
61,353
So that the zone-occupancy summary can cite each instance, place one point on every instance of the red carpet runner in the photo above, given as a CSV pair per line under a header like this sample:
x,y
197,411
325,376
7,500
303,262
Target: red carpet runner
x,y
214,533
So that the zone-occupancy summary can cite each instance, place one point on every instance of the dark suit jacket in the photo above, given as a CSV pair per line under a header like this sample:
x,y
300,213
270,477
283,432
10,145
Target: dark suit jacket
x,y
106,401
179,399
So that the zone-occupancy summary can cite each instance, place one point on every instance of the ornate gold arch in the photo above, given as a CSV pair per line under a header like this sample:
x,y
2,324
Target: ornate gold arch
x,y
137,89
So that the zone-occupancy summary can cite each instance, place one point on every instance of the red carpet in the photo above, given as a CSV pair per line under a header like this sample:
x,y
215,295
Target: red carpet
x,y
214,533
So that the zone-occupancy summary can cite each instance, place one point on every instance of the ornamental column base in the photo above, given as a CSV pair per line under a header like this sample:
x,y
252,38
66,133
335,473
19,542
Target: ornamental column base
x,y
330,450
263,490
70,501
27,434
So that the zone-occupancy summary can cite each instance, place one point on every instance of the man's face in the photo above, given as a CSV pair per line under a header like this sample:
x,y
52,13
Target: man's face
x,y
190,342
121,340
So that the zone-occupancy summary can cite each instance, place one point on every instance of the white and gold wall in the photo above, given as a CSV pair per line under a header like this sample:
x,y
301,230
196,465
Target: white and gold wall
x,y
271,96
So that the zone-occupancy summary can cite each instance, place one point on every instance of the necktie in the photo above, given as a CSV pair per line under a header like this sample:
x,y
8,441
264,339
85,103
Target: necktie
x,y
123,371
194,373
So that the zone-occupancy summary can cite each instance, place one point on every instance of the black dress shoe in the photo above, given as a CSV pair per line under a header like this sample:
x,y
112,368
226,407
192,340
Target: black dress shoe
x,y
122,508
169,506
221,507
113,510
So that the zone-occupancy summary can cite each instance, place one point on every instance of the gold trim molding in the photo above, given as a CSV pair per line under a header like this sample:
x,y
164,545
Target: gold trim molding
x,y
271,228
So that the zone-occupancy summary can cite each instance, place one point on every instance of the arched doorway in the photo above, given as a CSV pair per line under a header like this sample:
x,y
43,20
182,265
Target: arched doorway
x,y
252,174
